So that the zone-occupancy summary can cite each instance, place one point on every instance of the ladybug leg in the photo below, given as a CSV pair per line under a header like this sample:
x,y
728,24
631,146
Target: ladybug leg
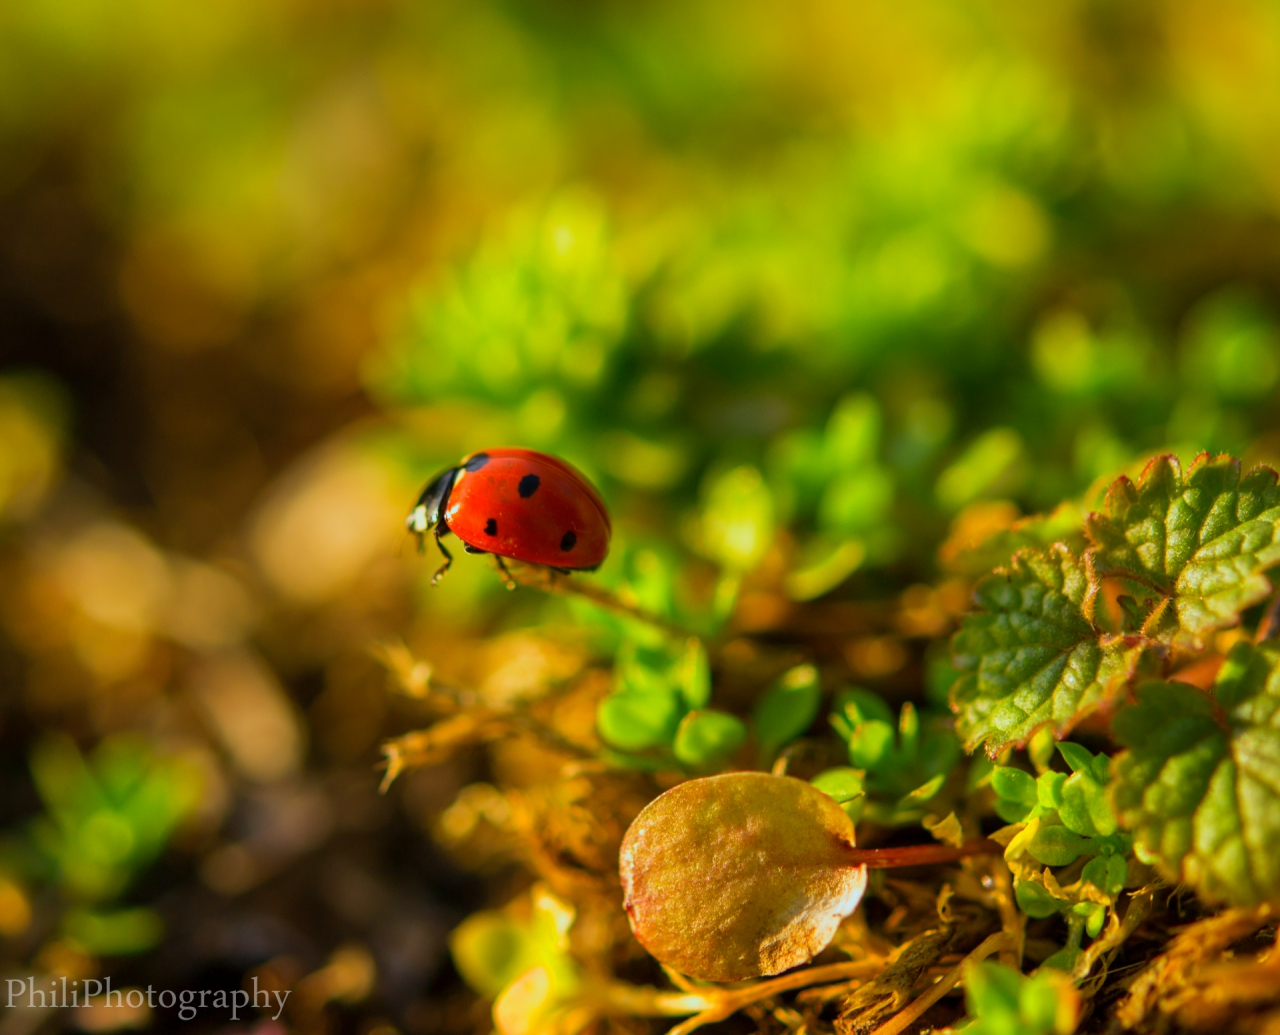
x,y
448,559
502,565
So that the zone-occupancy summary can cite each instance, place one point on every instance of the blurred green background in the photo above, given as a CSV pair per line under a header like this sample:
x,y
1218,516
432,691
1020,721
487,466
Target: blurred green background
x,y
806,288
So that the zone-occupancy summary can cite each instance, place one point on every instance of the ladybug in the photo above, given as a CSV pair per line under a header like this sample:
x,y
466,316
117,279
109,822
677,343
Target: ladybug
x,y
516,503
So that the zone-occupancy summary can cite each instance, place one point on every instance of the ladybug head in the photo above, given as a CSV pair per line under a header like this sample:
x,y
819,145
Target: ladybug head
x,y
425,514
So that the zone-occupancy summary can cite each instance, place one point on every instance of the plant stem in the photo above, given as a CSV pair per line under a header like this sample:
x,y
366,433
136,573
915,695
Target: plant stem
x,y
922,855
726,1002
550,581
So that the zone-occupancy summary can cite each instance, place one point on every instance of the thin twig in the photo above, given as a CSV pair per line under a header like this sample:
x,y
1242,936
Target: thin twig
x,y
550,581
729,1002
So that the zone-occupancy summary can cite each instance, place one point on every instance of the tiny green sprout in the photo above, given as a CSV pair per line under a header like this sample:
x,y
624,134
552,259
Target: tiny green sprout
x,y
1072,814
745,874
905,763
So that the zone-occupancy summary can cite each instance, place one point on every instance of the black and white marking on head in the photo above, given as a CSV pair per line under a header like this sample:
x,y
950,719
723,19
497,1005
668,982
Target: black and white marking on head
x,y
491,527
474,463
528,485
568,541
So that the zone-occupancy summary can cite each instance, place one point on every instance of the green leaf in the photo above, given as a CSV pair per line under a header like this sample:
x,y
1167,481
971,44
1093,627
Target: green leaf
x,y
870,744
1035,900
1085,808
706,738
1030,655
693,674
1079,759
786,710
1107,873
991,988
635,721
992,465
1202,540
1200,784
923,793
1001,1001
121,932
1058,846
737,519
490,951
842,784
1049,789
855,706
967,554
1013,784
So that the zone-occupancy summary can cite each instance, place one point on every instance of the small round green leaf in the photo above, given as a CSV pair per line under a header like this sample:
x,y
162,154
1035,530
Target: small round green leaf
x,y
1014,784
705,738
1035,900
737,519
693,674
490,951
870,744
1058,846
635,721
841,784
786,710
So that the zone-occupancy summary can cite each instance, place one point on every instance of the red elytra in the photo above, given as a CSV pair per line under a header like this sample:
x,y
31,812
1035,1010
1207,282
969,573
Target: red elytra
x,y
516,503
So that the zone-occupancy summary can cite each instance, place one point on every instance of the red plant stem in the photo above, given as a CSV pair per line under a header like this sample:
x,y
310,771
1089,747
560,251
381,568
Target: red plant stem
x,y
922,855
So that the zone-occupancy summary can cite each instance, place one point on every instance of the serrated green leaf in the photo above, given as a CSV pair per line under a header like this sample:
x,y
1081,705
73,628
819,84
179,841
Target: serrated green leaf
x,y
977,556
1202,540
1031,656
1200,784
705,738
787,709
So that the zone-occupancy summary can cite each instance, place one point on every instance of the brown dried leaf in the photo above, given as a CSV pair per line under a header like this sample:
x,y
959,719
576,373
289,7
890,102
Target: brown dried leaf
x,y
1167,986
739,875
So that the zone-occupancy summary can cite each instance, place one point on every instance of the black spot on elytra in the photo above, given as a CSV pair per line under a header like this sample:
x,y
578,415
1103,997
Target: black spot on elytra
x,y
491,527
474,463
568,541
528,485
